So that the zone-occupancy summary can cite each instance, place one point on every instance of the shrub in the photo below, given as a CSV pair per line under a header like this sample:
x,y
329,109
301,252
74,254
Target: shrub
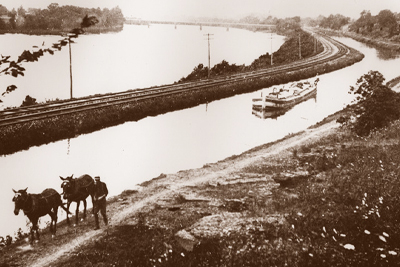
x,y
377,104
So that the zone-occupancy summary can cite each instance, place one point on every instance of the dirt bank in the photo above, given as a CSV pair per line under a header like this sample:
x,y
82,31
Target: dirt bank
x,y
160,193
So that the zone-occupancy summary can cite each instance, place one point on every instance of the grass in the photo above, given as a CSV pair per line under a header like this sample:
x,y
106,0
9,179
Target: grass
x,y
344,214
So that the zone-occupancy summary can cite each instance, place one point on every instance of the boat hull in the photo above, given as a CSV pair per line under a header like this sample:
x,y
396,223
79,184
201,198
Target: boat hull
x,y
275,102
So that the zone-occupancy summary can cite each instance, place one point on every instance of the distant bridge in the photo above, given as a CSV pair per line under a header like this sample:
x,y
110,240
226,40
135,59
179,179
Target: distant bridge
x,y
198,23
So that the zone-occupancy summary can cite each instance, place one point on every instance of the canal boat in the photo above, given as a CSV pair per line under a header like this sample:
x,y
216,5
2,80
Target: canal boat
x,y
286,97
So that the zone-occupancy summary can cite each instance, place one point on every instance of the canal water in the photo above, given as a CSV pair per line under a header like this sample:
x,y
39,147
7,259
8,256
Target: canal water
x,y
136,57
133,152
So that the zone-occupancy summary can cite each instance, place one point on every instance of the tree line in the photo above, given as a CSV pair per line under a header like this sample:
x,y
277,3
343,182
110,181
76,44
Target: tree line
x,y
57,18
385,24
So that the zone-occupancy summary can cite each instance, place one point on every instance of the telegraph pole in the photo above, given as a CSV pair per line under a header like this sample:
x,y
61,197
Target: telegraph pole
x,y
315,44
272,54
70,65
209,58
300,45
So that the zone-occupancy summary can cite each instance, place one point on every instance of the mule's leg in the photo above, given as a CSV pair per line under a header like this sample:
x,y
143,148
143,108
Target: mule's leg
x,y
32,235
51,222
68,204
92,203
37,232
84,208
54,218
77,212
34,229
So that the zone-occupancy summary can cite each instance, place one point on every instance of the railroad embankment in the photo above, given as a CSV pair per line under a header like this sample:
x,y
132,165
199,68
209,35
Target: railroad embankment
x,y
24,135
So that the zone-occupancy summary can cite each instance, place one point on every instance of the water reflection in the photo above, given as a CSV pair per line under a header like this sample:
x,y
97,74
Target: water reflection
x,y
275,113
387,54
267,114
384,53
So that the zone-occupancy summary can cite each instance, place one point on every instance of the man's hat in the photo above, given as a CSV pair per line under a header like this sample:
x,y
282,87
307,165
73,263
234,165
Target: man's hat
x,y
97,177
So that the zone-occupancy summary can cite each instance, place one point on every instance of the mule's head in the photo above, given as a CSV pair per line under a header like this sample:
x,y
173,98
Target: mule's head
x,y
19,199
67,186
68,178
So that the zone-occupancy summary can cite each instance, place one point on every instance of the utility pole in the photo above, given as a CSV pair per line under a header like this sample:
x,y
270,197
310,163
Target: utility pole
x,y
315,44
70,65
209,58
272,53
300,45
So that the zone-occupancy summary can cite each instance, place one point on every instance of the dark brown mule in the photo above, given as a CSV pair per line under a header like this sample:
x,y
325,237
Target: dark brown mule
x,y
38,205
77,190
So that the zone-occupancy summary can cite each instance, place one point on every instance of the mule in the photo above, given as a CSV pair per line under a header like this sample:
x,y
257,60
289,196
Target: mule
x,y
77,190
35,206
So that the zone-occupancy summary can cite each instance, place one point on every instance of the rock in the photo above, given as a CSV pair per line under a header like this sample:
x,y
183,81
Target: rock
x,y
174,208
235,205
290,178
186,240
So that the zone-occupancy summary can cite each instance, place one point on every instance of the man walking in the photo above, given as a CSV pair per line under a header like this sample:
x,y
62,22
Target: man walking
x,y
99,201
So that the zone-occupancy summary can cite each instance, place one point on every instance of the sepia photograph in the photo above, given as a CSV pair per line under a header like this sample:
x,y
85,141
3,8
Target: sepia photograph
x,y
185,133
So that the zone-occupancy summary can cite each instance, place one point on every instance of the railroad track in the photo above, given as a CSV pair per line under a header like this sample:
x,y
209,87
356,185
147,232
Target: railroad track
x,y
333,50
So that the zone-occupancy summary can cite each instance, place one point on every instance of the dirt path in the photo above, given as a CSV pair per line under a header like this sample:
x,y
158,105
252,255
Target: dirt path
x,y
173,183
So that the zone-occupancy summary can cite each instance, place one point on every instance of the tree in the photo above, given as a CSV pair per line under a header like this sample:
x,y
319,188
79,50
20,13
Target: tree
x,y
364,23
366,85
334,22
3,10
376,104
29,101
388,20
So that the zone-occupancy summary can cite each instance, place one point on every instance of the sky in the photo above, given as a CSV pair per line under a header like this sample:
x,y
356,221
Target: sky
x,y
175,9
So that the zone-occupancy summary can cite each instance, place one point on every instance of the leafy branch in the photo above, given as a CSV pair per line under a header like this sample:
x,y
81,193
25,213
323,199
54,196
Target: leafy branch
x,y
15,69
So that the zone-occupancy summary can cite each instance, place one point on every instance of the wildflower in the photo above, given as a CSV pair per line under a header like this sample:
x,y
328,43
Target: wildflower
x,y
380,249
323,228
394,253
365,194
311,255
183,255
349,246
385,234
292,226
299,213
334,230
383,255
382,238
367,232
334,238
342,235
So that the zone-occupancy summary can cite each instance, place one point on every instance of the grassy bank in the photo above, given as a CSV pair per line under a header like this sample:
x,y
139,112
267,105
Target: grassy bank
x,y
381,43
329,201
22,136
344,213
